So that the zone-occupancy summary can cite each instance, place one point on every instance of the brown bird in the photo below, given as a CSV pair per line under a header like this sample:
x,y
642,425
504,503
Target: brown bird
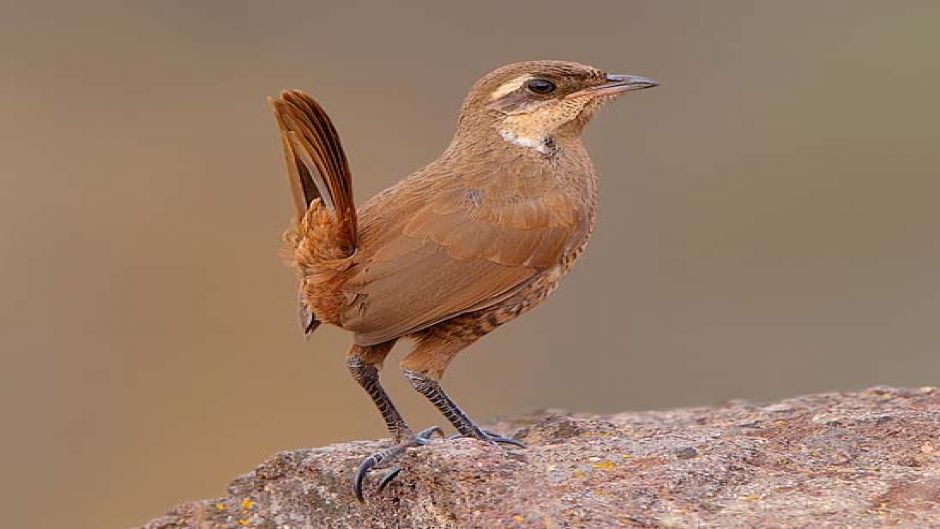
x,y
458,248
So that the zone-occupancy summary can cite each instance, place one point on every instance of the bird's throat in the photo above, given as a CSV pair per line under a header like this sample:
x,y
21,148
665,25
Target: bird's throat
x,y
542,144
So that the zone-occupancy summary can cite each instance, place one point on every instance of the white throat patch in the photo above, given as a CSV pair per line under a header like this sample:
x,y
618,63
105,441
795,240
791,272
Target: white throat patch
x,y
530,142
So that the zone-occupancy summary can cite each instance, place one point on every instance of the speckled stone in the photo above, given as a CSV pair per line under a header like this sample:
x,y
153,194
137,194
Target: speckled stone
x,y
838,460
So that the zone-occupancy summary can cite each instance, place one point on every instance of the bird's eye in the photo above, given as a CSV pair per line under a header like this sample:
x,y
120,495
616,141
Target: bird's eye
x,y
541,86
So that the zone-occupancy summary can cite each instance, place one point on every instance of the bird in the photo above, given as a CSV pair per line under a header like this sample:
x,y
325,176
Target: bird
x,y
456,249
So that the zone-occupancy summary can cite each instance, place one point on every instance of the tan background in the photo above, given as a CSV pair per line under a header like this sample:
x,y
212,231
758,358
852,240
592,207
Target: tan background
x,y
768,225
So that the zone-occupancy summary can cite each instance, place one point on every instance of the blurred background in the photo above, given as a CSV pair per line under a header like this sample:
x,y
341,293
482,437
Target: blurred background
x,y
768,226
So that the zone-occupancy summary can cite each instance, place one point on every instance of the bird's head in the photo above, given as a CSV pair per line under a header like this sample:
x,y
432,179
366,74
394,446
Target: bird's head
x,y
532,104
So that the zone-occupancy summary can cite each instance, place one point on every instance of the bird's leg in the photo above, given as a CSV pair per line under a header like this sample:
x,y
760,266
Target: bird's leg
x,y
364,363
424,367
431,389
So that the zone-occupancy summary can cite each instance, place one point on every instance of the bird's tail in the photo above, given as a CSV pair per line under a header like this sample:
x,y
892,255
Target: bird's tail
x,y
317,168
325,231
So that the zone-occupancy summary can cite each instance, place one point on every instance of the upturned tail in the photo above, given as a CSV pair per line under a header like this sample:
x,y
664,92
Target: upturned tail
x,y
316,162
325,231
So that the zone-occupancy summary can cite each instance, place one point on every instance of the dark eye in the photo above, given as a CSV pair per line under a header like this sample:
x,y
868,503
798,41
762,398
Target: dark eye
x,y
541,86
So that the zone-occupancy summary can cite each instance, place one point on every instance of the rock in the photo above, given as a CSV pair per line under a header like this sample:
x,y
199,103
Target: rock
x,y
856,460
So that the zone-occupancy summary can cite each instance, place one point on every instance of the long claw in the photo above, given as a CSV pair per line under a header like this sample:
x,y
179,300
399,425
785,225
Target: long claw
x,y
371,462
360,476
502,439
387,478
507,441
494,437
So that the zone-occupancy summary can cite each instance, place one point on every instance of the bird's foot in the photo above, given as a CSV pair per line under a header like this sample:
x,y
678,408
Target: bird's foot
x,y
388,455
488,436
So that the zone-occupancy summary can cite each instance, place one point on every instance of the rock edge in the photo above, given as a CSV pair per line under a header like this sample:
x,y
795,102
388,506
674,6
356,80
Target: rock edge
x,y
861,460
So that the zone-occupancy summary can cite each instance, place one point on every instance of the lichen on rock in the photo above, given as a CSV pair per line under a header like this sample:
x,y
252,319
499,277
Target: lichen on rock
x,y
859,460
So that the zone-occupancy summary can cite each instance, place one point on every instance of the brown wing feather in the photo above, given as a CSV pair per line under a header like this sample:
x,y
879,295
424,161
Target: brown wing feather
x,y
426,257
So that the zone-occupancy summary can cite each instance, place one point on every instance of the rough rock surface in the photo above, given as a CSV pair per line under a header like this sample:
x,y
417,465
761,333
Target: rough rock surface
x,y
846,460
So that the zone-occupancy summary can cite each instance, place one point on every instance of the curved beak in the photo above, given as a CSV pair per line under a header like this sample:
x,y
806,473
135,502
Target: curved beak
x,y
616,84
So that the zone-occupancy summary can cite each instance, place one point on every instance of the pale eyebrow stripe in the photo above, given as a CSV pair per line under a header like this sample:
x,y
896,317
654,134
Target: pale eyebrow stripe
x,y
509,86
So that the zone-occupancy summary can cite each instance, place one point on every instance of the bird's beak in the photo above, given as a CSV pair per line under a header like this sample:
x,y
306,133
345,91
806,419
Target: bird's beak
x,y
617,84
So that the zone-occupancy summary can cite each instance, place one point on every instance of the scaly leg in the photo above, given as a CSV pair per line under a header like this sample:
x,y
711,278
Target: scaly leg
x,y
431,389
364,363
424,368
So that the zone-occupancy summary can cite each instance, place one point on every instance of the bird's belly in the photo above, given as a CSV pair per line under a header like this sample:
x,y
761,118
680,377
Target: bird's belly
x,y
472,325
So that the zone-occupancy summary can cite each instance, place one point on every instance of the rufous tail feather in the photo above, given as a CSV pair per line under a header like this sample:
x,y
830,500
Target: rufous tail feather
x,y
316,162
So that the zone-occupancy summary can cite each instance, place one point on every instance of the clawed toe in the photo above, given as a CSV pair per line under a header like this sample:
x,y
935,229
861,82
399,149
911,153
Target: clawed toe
x,y
424,437
492,437
387,478
496,438
377,459
371,462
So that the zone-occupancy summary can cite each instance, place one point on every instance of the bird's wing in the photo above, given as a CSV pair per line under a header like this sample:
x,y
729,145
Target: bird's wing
x,y
431,252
